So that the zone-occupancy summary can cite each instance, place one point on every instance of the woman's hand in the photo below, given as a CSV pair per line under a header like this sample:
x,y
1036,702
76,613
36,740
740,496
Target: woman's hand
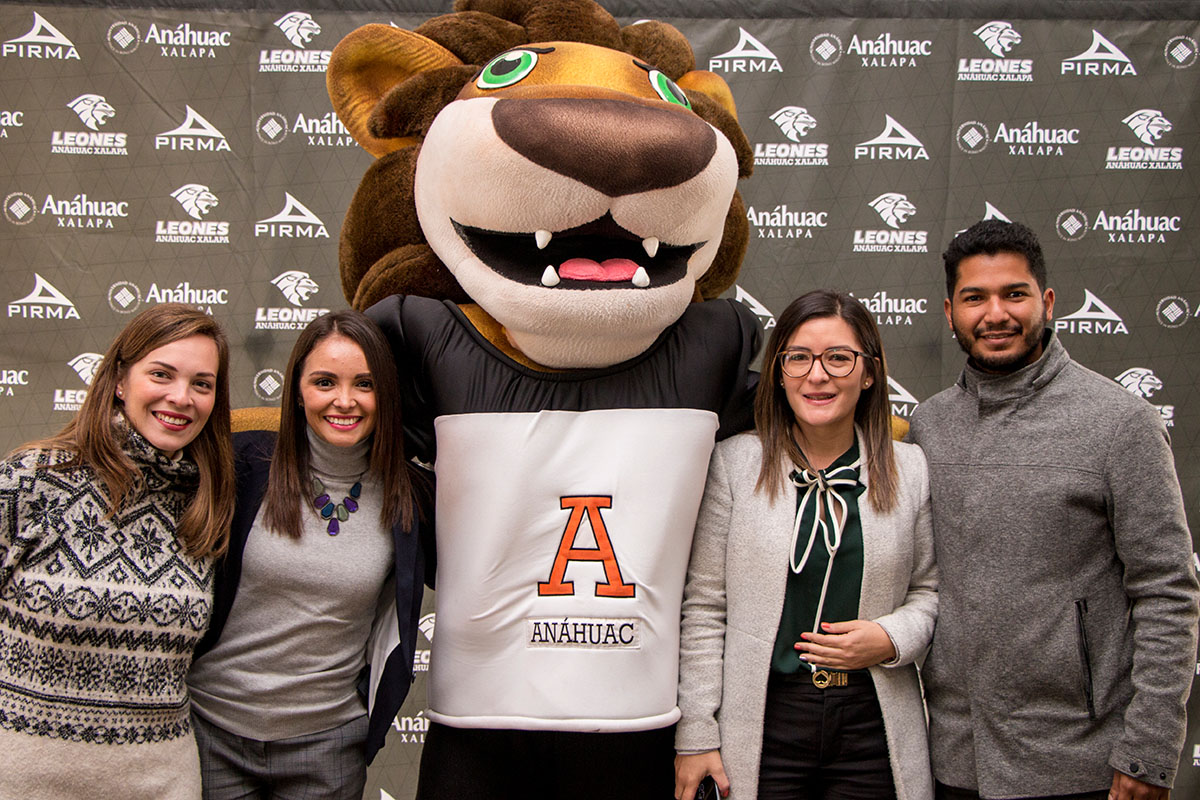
x,y
691,769
856,644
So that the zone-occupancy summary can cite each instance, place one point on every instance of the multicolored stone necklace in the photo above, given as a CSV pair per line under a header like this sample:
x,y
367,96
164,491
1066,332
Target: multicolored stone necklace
x,y
339,512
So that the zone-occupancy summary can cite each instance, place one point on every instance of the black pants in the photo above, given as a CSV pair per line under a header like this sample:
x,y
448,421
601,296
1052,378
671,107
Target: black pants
x,y
459,763
823,744
944,792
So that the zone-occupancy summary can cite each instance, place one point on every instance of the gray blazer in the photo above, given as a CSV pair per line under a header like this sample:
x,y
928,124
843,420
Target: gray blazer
x,y
734,595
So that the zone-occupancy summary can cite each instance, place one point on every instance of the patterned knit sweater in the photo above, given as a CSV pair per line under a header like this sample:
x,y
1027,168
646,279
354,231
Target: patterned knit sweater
x,y
98,617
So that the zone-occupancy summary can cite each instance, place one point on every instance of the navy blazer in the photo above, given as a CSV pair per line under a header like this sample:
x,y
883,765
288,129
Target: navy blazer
x,y
252,462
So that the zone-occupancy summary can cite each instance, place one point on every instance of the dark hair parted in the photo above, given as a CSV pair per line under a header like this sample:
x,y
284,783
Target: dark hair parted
x,y
775,421
92,439
992,236
287,484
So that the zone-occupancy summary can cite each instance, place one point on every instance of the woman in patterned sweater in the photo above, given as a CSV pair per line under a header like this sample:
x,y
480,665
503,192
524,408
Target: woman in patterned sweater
x,y
107,534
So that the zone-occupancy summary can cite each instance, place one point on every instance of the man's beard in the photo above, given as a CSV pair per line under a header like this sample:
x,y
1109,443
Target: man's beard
x,y
1005,362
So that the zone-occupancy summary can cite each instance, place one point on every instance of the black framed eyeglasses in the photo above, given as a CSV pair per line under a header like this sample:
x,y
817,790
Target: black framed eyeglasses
x,y
838,362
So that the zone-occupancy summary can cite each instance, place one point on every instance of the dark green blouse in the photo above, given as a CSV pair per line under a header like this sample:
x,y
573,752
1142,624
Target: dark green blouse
x,y
803,594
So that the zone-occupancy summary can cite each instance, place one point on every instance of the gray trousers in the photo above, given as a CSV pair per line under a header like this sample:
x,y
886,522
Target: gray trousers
x,y
330,765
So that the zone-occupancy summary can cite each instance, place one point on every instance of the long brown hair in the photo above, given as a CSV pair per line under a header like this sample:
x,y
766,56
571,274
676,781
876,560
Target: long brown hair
x,y
91,439
287,484
774,419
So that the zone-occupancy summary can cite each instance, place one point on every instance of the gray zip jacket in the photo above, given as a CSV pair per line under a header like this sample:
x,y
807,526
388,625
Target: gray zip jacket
x,y
1066,638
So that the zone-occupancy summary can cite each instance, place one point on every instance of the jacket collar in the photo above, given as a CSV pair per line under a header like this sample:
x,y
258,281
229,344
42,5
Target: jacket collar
x,y
1030,379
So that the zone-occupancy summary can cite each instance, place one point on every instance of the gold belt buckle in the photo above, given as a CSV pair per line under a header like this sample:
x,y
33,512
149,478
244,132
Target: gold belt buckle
x,y
823,678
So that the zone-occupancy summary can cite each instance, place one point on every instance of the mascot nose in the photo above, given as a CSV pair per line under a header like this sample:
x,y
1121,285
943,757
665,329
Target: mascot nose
x,y
615,147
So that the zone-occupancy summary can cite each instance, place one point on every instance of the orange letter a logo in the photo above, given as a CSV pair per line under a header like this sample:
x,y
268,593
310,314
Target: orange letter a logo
x,y
614,585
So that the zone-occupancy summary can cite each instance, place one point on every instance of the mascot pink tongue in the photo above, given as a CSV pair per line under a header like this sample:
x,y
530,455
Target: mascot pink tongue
x,y
547,274
584,269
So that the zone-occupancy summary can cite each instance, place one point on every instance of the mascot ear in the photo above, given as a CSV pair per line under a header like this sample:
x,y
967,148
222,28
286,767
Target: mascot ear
x,y
711,84
367,64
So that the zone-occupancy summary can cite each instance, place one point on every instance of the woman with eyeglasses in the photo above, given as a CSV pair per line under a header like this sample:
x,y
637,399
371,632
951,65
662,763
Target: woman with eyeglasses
x,y
812,587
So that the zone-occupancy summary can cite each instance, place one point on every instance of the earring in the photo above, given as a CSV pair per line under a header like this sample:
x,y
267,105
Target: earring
x,y
120,395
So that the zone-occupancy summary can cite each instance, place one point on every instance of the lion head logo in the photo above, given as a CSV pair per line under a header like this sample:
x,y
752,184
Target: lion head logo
x,y
299,27
426,626
794,121
196,199
1140,381
85,366
93,110
998,37
1148,124
296,286
893,208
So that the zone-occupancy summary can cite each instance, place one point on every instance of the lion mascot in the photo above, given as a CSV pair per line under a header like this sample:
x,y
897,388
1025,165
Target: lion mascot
x,y
551,212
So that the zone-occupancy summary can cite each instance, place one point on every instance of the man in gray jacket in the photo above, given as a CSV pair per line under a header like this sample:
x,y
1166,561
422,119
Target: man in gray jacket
x,y
1066,637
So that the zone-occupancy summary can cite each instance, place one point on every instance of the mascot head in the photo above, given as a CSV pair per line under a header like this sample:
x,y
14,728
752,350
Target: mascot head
x,y
575,179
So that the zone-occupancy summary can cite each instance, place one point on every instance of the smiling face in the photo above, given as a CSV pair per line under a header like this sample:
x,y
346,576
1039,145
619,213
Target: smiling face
x,y
824,405
997,312
169,394
577,198
338,392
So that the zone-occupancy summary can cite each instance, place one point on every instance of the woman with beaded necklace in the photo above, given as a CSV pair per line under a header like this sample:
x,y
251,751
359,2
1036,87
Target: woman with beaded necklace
x,y
811,589
324,575
108,532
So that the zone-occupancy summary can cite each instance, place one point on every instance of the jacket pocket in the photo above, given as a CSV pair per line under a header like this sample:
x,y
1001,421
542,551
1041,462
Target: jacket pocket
x,y
1085,660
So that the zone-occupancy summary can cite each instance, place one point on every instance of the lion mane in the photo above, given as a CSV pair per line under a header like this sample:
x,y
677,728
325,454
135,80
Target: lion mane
x,y
387,85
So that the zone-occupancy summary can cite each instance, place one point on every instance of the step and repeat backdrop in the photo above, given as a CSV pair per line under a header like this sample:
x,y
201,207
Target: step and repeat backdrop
x,y
161,154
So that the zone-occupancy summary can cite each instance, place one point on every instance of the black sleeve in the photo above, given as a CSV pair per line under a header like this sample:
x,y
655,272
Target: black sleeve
x,y
389,315
738,413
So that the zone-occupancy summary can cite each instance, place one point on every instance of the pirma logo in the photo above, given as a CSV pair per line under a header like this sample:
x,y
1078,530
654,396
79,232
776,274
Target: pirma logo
x,y
794,122
902,401
85,366
1093,317
93,111
1148,125
895,143
195,134
1180,52
1071,225
271,127
295,221
42,41
989,212
296,287
999,38
268,385
972,137
762,312
894,209
44,302
299,27
1144,383
123,37
20,208
750,55
1173,312
1101,58
197,201
124,297
825,49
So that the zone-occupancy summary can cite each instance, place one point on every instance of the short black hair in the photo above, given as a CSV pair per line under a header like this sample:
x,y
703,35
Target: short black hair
x,y
992,236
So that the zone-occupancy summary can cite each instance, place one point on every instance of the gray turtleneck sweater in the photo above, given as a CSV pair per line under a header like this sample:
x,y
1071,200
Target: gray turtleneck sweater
x,y
1066,631
289,656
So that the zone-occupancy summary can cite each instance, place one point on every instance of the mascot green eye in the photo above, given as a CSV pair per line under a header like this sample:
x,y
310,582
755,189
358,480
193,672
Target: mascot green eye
x,y
507,69
667,89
